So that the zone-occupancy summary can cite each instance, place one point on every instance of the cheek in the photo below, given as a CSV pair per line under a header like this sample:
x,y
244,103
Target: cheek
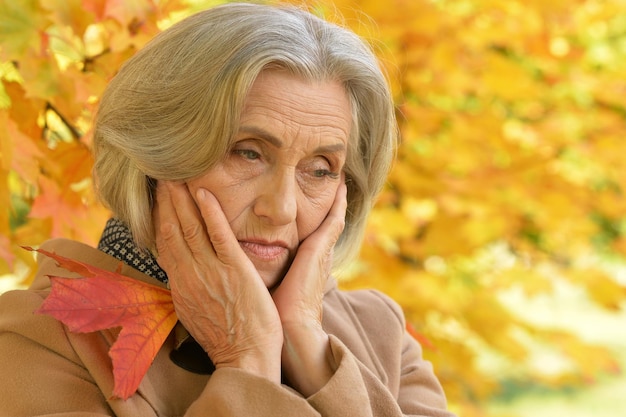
x,y
232,196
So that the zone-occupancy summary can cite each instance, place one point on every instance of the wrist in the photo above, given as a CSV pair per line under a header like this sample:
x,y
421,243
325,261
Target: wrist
x,y
259,364
306,358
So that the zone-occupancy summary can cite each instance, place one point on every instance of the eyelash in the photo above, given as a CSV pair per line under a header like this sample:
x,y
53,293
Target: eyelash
x,y
325,173
247,153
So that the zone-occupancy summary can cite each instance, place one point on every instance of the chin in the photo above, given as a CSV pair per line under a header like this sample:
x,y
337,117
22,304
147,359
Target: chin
x,y
272,277
272,280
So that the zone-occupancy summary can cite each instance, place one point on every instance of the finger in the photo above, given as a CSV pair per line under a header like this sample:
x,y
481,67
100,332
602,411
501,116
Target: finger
x,y
189,219
324,238
337,214
220,234
174,207
311,267
165,224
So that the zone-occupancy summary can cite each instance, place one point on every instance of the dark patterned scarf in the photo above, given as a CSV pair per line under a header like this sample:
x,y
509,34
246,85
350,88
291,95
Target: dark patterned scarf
x,y
117,241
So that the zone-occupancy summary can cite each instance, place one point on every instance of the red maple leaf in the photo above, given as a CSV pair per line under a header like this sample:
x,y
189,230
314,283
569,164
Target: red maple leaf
x,y
102,299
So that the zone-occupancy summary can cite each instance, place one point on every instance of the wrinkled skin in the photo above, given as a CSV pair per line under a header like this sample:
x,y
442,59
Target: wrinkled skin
x,y
248,245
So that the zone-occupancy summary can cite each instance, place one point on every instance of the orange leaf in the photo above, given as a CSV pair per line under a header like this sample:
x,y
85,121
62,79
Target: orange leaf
x,y
102,299
70,13
97,7
71,209
420,337
125,11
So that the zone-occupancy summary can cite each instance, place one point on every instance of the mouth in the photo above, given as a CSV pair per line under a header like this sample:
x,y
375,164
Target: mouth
x,y
263,250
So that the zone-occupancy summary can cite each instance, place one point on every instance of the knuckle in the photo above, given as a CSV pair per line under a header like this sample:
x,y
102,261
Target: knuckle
x,y
339,225
167,233
193,233
219,238
161,246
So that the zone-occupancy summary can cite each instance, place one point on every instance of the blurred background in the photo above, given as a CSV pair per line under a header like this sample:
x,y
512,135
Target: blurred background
x,y
502,230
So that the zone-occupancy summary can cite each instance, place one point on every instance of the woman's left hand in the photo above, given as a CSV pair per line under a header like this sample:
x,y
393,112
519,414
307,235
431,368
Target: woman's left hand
x,y
298,299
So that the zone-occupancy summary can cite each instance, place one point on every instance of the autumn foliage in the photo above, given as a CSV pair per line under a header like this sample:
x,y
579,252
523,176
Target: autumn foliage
x,y
509,178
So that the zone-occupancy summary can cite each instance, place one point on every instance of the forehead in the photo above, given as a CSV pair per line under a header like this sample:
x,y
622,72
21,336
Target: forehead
x,y
286,104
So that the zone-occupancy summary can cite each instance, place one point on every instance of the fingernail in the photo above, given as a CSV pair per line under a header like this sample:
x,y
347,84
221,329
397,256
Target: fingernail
x,y
201,194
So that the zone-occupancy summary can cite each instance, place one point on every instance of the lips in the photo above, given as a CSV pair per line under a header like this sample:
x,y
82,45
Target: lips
x,y
264,250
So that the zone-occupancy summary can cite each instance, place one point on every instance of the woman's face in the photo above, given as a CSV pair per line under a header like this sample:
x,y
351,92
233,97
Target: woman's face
x,y
278,181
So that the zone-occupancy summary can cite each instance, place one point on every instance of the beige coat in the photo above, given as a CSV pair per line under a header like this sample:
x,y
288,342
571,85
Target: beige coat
x,y
48,371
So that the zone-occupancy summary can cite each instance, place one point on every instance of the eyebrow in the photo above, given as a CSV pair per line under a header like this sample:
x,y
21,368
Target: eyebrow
x,y
265,135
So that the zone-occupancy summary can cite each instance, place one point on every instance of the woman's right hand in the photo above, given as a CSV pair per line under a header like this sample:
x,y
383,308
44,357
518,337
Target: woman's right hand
x,y
218,295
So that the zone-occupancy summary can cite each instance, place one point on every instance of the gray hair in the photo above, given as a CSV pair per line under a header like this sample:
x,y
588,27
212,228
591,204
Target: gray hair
x,y
172,110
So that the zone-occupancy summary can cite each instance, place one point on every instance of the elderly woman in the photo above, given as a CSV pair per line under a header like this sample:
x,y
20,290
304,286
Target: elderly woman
x,y
240,152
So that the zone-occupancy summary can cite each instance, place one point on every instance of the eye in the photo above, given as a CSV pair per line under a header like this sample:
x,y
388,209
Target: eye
x,y
247,153
321,167
321,173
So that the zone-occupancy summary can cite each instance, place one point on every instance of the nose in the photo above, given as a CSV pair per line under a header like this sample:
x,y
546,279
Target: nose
x,y
276,202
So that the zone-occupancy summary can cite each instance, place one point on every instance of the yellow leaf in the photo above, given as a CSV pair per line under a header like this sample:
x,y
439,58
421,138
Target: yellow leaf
x,y
504,78
601,288
22,25
530,280
7,257
389,225
25,111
